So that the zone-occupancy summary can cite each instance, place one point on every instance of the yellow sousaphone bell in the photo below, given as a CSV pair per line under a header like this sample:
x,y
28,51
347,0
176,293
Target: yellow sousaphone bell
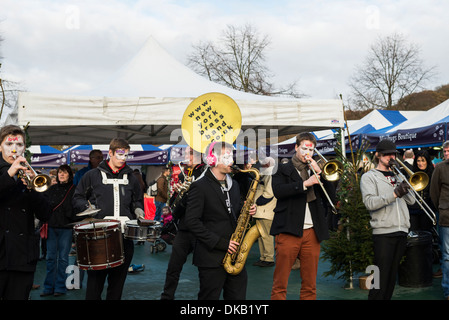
x,y
211,117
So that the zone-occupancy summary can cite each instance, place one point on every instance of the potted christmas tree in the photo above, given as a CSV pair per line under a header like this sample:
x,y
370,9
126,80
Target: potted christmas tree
x,y
350,248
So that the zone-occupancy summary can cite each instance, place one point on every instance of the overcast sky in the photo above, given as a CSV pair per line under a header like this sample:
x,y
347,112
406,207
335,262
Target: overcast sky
x,y
70,46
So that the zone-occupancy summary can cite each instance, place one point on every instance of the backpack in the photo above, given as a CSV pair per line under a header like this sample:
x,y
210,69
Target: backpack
x,y
152,189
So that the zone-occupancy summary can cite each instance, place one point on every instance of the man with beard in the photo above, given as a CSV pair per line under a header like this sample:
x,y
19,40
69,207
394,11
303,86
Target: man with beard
x,y
386,199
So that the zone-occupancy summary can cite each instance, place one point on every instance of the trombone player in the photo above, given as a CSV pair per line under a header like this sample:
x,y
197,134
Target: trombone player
x,y
299,223
19,206
386,198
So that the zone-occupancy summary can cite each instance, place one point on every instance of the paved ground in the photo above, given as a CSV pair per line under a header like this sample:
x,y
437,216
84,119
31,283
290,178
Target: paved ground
x,y
148,285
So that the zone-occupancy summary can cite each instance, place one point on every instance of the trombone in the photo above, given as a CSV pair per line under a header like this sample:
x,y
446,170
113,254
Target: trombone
x,y
417,182
40,182
332,171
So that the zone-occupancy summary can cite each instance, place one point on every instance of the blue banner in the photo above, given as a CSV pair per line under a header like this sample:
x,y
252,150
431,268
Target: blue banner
x,y
433,135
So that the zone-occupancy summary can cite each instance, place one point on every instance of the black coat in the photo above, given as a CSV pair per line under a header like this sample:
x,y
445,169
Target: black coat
x,y
92,188
291,203
19,243
180,209
208,218
60,196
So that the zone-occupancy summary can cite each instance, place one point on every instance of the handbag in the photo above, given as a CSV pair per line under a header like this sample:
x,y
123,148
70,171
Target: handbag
x,y
43,231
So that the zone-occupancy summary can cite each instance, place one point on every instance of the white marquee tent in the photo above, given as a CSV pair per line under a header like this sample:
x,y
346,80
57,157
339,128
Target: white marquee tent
x,y
145,101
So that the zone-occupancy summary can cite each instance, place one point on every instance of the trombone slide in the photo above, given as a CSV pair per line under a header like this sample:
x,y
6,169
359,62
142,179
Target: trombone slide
x,y
334,210
417,182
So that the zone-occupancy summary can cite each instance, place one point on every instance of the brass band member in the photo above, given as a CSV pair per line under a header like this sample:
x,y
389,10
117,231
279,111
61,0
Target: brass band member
x,y
212,211
299,223
113,188
19,206
184,239
386,199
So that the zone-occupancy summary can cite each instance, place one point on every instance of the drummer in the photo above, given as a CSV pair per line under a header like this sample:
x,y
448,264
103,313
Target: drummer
x,y
112,188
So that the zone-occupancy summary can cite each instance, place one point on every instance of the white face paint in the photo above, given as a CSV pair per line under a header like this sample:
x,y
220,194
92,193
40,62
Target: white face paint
x,y
12,146
121,154
226,158
306,148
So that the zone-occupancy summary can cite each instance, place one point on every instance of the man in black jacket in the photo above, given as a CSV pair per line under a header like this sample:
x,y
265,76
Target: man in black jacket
x,y
19,206
212,210
184,240
299,223
113,188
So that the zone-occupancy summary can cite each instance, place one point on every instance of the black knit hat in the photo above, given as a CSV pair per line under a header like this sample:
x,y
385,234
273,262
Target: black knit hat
x,y
386,146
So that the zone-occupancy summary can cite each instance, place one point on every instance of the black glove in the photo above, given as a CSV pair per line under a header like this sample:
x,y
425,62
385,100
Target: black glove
x,y
401,189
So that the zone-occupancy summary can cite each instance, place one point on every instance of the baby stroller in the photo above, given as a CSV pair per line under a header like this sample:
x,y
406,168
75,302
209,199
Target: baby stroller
x,y
169,231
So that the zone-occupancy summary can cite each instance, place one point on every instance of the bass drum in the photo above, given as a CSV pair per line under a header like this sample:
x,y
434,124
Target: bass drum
x,y
99,245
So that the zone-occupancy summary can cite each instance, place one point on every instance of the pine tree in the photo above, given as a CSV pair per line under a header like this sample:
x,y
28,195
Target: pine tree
x,y
350,248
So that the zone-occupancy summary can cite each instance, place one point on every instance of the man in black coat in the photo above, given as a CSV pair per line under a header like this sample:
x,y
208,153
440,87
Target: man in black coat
x,y
212,211
113,188
184,240
299,223
19,206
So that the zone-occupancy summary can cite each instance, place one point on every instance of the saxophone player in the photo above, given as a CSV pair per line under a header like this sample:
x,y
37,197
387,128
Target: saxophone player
x,y
299,223
212,210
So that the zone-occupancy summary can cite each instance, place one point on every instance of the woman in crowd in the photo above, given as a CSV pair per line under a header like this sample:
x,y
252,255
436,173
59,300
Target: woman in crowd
x,y
419,221
59,234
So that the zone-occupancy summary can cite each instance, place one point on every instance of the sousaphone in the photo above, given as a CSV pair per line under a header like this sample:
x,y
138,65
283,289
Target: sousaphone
x,y
211,117
216,117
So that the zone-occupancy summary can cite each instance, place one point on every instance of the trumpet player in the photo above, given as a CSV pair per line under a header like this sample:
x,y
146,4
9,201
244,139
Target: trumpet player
x,y
386,198
299,224
19,206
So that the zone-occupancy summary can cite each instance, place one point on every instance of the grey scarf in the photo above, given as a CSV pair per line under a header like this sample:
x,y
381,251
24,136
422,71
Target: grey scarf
x,y
304,174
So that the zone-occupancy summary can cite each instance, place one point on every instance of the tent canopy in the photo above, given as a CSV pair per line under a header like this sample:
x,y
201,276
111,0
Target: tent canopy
x,y
43,149
375,121
381,120
437,114
422,130
144,102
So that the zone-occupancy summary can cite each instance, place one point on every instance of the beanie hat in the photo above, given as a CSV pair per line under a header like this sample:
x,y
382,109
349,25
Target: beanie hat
x,y
386,146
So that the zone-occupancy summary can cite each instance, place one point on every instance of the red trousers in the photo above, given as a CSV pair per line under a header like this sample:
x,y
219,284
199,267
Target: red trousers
x,y
289,247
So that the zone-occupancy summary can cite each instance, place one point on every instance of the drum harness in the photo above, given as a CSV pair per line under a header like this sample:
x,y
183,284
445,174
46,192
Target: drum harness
x,y
116,190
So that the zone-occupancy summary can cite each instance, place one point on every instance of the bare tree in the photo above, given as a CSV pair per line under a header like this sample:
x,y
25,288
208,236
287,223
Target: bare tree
x,y
8,94
391,71
237,60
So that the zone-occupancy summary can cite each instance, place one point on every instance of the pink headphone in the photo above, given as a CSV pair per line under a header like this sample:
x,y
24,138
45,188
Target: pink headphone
x,y
211,159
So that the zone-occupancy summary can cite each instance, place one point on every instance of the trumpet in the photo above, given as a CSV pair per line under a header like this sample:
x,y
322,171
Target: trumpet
x,y
40,182
417,181
331,172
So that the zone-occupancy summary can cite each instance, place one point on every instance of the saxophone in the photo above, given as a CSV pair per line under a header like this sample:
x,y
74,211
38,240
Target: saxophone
x,y
234,263
182,189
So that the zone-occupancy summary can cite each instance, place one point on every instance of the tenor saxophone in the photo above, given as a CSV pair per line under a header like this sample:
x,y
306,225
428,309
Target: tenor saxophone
x,y
245,236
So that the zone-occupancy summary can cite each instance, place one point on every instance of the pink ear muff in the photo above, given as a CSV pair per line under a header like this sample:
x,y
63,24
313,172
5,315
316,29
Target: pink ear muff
x,y
211,159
